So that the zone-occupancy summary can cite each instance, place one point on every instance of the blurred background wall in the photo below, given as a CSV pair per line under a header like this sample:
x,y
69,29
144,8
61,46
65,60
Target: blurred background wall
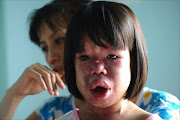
x,y
160,20
3,83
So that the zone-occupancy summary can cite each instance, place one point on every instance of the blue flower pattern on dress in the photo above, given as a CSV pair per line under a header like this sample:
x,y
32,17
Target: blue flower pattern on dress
x,y
162,103
54,108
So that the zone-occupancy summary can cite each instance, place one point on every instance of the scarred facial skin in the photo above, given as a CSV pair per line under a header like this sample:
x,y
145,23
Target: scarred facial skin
x,y
52,44
102,74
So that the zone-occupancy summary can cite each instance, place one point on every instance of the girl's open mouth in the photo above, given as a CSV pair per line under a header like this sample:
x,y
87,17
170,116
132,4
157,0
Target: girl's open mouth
x,y
99,89
100,93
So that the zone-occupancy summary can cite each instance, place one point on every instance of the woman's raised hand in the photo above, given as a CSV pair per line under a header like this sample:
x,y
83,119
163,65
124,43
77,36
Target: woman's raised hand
x,y
36,79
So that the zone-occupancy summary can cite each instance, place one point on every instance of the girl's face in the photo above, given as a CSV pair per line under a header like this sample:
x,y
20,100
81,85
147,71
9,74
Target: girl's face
x,y
102,74
52,44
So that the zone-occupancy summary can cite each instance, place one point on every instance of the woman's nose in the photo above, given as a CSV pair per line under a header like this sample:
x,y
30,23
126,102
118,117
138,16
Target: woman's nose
x,y
98,67
52,57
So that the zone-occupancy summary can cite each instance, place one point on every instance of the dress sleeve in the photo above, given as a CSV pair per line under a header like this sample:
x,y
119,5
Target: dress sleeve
x,y
54,108
164,104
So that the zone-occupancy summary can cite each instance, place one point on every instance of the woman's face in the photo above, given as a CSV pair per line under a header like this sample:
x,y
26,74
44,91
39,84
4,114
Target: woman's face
x,y
52,44
102,74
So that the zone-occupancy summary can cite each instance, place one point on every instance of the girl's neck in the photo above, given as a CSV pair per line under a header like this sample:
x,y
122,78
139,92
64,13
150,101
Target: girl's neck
x,y
79,103
124,110
112,112
134,99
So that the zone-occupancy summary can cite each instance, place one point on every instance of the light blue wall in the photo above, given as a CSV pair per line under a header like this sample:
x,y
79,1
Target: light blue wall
x,y
160,20
3,80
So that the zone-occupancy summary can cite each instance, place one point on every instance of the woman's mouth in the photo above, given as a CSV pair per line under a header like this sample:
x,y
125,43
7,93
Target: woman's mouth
x,y
58,69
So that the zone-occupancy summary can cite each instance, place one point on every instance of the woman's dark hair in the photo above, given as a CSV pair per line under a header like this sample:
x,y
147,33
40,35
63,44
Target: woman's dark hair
x,y
55,14
116,24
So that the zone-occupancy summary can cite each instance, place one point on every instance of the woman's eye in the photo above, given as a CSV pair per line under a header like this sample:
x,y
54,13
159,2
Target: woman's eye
x,y
84,57
112,56
44,49
58,41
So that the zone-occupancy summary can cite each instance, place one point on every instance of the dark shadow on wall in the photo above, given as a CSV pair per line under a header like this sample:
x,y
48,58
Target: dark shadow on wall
x,y
3,72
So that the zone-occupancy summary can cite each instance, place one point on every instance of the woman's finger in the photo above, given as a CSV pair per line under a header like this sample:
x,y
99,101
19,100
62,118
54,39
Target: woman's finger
x,y
47,77
59,81
54,78
56,93
53,81
33,74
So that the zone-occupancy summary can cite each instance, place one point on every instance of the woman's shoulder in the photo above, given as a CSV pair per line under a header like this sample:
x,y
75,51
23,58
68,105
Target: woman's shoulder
x,y
58,101
161,102
152,95
55,106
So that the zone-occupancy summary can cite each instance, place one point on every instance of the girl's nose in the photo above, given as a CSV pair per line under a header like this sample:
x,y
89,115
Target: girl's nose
x,y
98,67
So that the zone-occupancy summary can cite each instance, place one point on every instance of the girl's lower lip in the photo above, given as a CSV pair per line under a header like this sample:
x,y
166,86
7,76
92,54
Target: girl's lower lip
x,y
100,96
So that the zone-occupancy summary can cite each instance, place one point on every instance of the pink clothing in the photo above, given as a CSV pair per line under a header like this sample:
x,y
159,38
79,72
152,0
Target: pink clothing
x,y
73,115
76,114
154,117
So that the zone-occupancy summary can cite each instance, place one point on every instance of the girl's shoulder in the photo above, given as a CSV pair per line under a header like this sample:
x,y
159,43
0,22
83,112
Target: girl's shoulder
x,y
154,117
71,115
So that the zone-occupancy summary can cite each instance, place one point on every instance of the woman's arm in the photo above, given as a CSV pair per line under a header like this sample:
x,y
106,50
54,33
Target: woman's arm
x,y
34,80
9,105
33,116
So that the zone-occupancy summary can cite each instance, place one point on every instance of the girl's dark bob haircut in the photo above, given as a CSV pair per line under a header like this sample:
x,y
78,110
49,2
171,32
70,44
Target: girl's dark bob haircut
x,y
116,24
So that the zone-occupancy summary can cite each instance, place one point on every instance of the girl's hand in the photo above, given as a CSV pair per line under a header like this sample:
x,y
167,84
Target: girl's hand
x,y
36,79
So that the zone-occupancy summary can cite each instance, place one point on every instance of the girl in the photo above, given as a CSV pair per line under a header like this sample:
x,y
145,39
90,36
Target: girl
x,y
106,62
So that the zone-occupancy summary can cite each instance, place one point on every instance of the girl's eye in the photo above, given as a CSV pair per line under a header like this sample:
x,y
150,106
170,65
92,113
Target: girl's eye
x,y
112,56
84,57
44,49
58,41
